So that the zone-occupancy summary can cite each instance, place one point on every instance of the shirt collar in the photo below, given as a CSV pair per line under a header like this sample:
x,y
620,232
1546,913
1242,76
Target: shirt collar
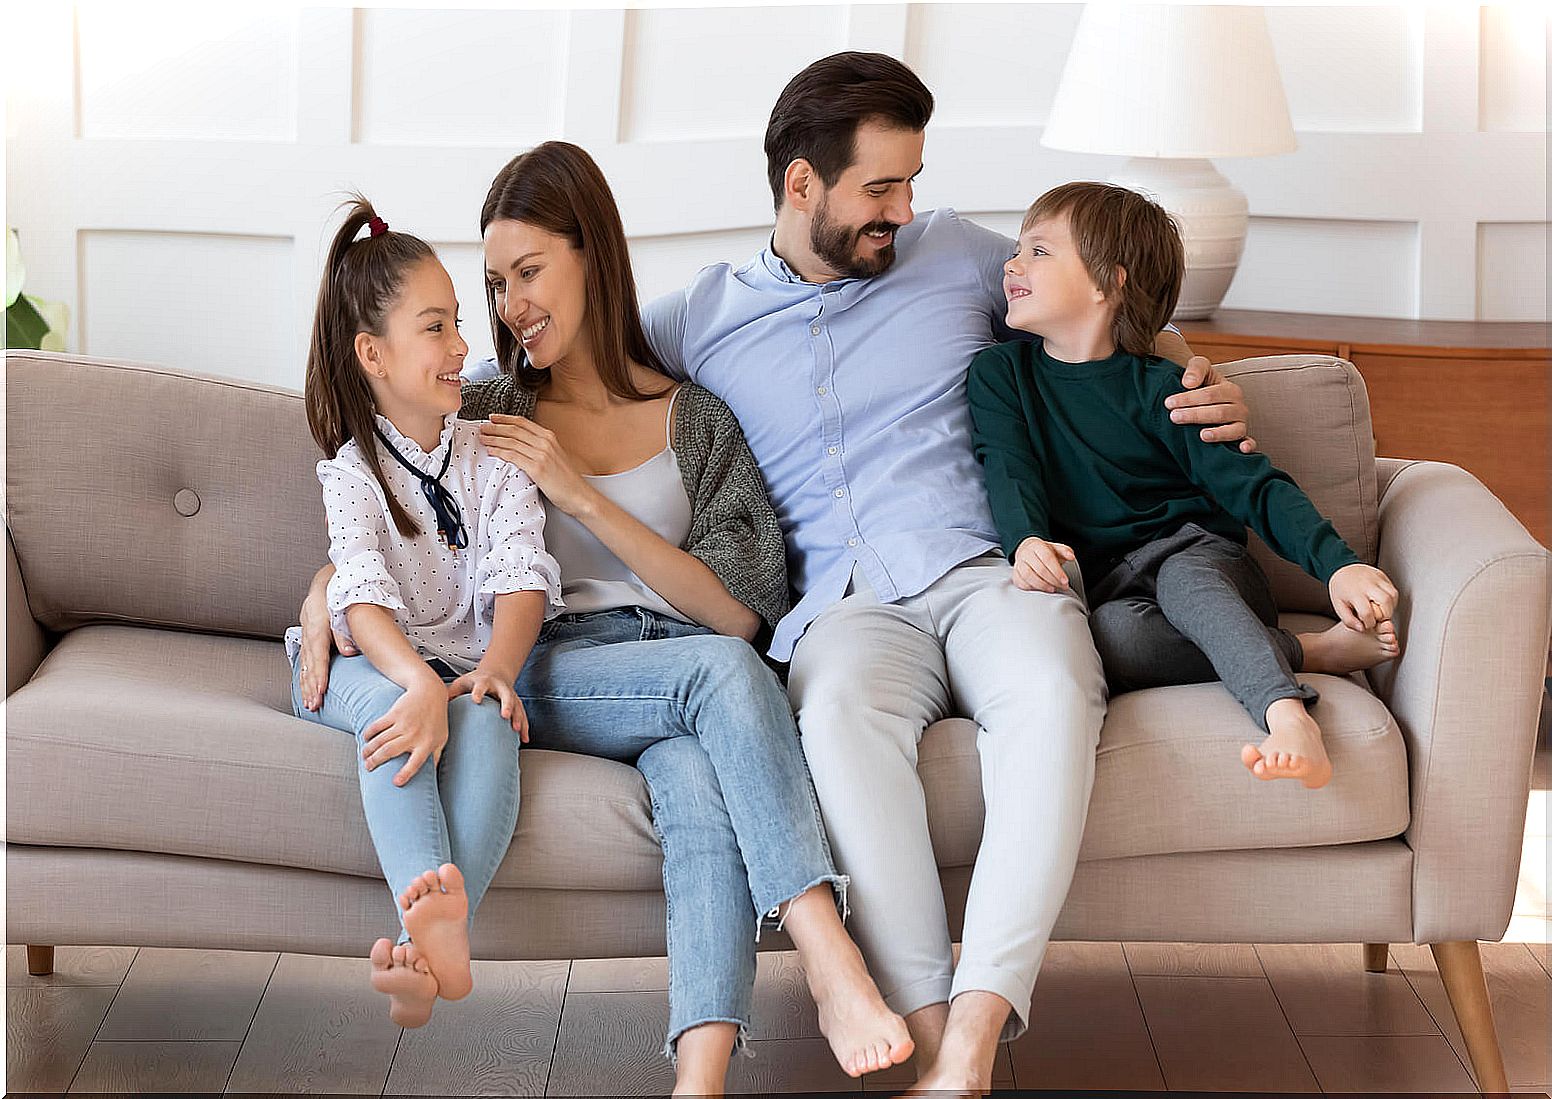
x,y
778,269
410,449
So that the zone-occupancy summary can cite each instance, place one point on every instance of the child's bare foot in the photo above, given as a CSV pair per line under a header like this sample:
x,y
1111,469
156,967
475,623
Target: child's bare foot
x,y
1292,748
863,1033
1339,650
403,976
436,914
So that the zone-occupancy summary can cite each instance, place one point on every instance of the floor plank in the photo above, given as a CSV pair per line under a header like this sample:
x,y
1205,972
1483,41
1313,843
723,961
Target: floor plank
x,y
1325,990
611,1043
498,1041
155,1067
1520,991
782,1005
80,966
1221,1034
1193,959
1086,1028
47,1034
320,1028
619,975
789,1064
188,995
1414,1063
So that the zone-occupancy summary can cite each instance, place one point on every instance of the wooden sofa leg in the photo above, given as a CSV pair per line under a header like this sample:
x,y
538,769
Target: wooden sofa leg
x,y
1460,966
40,960
1375,956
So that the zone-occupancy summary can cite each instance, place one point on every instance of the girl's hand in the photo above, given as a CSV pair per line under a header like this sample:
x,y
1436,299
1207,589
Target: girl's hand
x,y
1037,565
481,684
1362,596
318,642
535,451
416,723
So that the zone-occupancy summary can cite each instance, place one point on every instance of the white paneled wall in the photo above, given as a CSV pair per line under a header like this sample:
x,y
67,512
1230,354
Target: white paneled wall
x,y
174,170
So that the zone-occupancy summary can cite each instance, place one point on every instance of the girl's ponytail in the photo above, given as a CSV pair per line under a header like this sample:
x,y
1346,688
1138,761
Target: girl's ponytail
x,y
361,281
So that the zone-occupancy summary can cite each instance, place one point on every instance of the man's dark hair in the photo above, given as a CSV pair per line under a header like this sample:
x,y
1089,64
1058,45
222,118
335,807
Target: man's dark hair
x,y
818,112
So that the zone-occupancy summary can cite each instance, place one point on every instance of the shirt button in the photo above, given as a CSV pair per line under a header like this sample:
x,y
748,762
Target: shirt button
x,y
832,449
822,391
839,493
851,541
815,330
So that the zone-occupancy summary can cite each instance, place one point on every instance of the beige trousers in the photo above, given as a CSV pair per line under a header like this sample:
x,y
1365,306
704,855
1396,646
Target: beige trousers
x,y
866,680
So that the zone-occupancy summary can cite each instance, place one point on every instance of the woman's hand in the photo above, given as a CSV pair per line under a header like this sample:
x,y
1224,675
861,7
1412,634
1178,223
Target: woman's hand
x,y
319,640
416,723
1212,399
482,683
536,451
1362,596
1037,565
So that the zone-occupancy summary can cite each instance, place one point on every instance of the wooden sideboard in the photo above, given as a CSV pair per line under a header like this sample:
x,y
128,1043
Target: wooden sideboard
x,y
1475,393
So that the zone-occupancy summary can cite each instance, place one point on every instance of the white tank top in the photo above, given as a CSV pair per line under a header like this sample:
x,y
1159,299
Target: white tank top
x,y
592,578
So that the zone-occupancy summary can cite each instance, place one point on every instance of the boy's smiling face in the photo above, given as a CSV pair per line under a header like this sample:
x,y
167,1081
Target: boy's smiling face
x,y
1048,286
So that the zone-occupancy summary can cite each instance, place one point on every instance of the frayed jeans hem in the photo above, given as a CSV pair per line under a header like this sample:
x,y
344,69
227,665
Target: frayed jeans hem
x,y
740,1043
840,883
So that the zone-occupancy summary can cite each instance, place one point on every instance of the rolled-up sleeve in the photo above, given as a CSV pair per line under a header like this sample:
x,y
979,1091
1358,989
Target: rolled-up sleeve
x,y
515,558
357,532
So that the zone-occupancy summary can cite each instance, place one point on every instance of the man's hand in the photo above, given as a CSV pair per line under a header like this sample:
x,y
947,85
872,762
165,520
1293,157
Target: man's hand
x,y
1037,565
1212,399
416,723
482,683
1362,596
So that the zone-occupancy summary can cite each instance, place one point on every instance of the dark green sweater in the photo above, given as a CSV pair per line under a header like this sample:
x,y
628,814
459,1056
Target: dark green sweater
x,y
1085,454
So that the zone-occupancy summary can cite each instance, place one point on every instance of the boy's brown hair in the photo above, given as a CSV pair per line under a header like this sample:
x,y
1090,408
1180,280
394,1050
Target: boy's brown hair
x,y
1113,227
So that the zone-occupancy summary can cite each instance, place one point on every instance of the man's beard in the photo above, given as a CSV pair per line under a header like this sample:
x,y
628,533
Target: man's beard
x,y
836,245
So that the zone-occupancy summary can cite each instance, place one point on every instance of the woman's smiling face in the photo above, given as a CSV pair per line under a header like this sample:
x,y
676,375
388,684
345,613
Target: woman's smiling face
x,y
539,283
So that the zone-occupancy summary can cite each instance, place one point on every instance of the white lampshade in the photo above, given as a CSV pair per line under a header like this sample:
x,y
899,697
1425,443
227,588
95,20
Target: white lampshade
x,y
1171,80
1170,85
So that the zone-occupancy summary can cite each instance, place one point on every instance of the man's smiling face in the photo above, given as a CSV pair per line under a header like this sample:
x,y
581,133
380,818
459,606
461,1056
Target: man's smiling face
x,y
852,228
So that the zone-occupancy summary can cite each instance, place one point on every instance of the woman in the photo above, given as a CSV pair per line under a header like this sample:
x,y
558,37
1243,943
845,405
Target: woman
x,y
671,561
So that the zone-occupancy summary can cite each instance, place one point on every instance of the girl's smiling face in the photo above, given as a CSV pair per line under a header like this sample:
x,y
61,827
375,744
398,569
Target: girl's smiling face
x,y
413,368
539,283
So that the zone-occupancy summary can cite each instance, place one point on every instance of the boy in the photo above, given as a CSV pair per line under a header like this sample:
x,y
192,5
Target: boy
x,y
1082,465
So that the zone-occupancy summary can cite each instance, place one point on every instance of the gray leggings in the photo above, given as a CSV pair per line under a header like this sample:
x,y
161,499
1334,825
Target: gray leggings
x,y
1193,607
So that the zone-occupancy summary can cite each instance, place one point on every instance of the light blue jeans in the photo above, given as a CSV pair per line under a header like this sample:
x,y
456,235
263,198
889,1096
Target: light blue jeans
x,y
710,729
462,811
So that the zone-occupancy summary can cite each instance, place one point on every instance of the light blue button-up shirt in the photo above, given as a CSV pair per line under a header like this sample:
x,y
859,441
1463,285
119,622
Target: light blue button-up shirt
x,y
852,396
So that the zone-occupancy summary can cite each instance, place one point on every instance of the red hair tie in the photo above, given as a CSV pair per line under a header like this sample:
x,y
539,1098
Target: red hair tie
x,y
378,226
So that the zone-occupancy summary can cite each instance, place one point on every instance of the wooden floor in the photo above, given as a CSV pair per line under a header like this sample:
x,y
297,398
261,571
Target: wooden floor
x,y
1106,1016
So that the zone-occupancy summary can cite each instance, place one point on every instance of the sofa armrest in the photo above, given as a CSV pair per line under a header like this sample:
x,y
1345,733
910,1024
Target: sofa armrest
x,y
25,643
1475,611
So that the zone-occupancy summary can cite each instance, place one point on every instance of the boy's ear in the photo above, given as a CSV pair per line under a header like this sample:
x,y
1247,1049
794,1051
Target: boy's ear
x,y
1117,280
799,182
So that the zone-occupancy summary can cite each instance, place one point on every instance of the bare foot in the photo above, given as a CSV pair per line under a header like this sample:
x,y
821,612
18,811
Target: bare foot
x,y
436,914
1292,748
945,1081
1339,650
403,976
863,1033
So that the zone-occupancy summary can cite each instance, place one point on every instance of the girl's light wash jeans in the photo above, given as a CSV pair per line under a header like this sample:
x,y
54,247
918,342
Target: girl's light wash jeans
x,y
710,729
462,811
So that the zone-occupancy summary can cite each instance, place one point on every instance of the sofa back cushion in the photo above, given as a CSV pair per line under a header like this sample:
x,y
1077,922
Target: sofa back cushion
x,y
136,493
1310,415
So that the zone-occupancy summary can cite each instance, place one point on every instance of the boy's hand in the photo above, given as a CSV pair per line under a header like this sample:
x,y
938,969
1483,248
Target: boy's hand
x,y
1362,596
416,723
1037,565
482,683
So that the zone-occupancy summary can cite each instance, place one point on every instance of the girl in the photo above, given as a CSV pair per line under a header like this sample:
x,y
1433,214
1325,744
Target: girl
x,y
441,582
673,561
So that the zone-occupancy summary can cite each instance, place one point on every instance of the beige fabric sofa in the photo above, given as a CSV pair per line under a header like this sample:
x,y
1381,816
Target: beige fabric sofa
x,y
162,529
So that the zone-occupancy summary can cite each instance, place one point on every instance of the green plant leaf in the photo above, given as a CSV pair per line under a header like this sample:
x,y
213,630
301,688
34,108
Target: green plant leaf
x,y
15,270
24,326
55,314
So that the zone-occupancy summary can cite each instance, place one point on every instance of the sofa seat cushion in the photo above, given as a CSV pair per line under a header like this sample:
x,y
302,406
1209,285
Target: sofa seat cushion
x,y
184,744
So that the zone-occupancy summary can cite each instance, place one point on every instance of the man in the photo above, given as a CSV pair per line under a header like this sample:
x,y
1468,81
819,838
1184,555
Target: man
x,y
843,348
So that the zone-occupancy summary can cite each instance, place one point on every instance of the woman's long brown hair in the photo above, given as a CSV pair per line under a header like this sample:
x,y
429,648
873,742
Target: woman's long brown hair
x,y
361,281
557,187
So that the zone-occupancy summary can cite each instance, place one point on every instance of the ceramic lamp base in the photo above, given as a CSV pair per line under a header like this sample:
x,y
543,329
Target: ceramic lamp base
x,y
1212,214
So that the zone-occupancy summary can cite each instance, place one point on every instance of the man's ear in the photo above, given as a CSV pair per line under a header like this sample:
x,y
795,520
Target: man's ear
x,y
800,183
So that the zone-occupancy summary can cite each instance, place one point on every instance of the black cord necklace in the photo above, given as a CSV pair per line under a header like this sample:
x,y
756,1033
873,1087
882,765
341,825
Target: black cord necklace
x,y
450,526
